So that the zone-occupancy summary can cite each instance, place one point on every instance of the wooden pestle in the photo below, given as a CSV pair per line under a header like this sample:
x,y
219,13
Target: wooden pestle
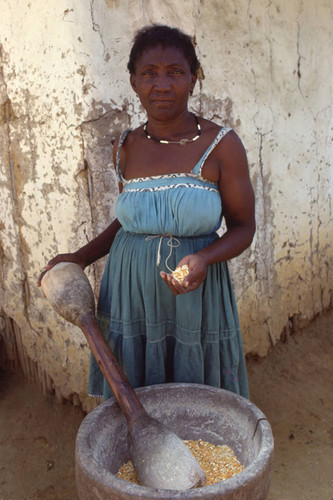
x,y
160,457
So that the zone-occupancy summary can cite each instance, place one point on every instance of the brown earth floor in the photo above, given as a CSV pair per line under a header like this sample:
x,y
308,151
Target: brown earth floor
x,y
292,386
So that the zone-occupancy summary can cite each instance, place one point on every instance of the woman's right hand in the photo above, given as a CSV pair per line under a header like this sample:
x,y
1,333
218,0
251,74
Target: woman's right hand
x,y
89,253
62,257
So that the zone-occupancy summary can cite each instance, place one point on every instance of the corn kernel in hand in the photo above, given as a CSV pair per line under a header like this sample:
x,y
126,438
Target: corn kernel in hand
x,y
180,273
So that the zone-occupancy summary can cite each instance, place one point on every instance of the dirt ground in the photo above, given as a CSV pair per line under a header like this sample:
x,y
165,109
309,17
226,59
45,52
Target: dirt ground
x,y
292,386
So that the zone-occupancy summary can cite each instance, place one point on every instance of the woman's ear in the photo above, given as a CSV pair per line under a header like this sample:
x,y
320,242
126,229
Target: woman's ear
x,y
193,82
133,82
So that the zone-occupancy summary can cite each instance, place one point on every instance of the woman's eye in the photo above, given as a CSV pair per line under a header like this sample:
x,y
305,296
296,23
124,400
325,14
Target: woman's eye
x,y
177,71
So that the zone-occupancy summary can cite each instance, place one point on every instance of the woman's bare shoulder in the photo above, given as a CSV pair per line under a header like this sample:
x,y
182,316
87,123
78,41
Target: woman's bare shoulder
x,y
231,139
208,126
127,142
130,137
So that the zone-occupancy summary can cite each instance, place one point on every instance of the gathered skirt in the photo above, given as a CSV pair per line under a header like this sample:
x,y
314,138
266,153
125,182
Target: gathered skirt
x,y
158,337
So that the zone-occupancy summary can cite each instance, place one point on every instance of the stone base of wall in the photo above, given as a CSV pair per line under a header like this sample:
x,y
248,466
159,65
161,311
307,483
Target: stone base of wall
x,y
13,357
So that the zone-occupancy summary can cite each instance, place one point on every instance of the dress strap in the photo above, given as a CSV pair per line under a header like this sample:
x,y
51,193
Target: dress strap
x,y
120,143
198,167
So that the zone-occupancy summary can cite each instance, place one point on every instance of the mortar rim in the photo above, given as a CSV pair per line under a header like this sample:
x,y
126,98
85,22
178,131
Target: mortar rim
x,y
262,461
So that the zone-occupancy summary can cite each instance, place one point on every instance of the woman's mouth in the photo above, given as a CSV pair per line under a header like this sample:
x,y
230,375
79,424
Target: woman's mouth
x,y
162,102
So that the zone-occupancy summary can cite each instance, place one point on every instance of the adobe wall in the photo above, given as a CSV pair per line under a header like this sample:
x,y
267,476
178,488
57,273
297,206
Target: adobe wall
x,y
64,96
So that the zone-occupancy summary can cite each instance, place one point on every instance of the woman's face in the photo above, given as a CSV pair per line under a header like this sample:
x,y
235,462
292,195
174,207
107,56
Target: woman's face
x,y
163,81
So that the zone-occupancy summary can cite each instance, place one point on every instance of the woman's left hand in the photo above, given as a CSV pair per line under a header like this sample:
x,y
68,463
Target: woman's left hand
x,y
197,273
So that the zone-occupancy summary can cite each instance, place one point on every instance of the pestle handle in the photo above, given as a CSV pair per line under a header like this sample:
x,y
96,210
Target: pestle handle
x,y
68,290
117,380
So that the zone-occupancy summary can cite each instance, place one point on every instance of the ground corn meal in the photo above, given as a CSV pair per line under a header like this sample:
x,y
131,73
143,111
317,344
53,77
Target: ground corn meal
x,y
218,462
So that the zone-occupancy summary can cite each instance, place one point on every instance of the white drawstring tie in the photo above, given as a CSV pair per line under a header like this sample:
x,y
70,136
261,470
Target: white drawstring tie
x,y
172,243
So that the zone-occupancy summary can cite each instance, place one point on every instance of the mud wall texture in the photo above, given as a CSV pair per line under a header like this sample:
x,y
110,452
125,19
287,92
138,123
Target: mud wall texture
x,y
65,95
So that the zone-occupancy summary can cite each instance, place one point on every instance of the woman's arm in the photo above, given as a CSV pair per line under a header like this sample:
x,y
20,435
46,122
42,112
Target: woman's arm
x,y
238,203
99,246
239,212
86,255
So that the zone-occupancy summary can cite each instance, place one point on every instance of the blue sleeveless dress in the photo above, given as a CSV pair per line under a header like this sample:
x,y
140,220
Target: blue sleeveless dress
x,y
158,337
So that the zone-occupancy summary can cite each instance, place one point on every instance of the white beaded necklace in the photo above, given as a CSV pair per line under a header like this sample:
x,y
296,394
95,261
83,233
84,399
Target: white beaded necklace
x,y
182,142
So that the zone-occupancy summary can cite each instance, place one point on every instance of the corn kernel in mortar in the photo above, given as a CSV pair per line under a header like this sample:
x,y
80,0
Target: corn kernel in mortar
x,y
217,461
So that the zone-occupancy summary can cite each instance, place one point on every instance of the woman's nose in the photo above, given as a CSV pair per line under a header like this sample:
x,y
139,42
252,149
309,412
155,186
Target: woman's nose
x,y
162,82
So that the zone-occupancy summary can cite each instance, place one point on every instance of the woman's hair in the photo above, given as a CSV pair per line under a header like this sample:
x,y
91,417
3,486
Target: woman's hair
x,y
159,35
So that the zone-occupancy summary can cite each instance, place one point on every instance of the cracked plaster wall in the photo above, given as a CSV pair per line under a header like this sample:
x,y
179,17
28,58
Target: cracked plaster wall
x,y
64,96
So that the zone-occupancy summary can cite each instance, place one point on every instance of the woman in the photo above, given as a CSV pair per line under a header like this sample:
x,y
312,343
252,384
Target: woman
x,y
178,174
